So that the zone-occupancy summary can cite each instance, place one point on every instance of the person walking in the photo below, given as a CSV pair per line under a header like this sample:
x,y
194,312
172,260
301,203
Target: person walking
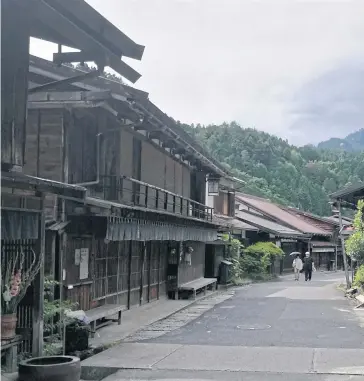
x,y
308,265
297,267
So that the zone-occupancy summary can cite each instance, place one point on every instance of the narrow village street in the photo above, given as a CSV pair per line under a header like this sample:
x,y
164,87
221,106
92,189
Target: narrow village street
x,y
281,330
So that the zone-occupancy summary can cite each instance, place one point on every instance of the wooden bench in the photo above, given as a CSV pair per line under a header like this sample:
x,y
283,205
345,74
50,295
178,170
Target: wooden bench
x,y
10,347
102,312
198,284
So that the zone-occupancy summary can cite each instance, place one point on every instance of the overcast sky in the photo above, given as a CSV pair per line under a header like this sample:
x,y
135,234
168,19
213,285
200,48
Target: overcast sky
x,y
291,68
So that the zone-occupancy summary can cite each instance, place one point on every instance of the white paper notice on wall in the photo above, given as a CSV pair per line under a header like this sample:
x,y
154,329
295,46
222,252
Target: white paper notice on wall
x,y
77,257
84,263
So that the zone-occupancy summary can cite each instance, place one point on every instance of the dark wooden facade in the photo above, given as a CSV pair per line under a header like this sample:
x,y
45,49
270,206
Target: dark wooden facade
x,y
126,168
27,201
15,30
124,272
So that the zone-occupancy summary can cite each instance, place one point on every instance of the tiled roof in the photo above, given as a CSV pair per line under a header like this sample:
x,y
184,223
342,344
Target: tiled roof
x,y
267,225
312,219
232,222
279,214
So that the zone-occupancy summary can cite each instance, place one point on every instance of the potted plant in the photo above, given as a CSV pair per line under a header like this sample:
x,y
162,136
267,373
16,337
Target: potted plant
x,y
15,281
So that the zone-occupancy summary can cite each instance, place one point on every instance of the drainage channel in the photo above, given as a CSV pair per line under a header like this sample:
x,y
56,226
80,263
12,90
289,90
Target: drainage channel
x,y
179,319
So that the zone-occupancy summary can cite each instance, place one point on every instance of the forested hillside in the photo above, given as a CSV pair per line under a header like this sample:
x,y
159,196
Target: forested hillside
x,y
301,177
353,142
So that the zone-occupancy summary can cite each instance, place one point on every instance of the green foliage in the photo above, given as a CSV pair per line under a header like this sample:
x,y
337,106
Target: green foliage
x,y
301,177
251,265
54,318
235,248
359,277
355,243
258,258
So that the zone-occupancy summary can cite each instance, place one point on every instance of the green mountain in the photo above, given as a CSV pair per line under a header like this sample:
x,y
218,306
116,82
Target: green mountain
x,y
295,176
353,142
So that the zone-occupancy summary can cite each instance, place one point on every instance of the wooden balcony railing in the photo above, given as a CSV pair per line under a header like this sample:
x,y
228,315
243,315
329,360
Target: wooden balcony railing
x,y
133,192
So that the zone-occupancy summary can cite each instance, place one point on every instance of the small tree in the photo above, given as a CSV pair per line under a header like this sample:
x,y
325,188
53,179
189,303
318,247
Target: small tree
x,y
355,243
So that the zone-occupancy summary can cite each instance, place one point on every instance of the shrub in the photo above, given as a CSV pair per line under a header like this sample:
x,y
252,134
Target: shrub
x,y
355,243
359,277
251,264
258,258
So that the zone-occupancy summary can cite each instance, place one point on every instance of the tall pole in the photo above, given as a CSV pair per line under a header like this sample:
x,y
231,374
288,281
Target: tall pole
x,y
343,249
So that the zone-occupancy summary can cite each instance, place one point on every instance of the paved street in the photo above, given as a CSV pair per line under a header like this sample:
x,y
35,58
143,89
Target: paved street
x,y
282,330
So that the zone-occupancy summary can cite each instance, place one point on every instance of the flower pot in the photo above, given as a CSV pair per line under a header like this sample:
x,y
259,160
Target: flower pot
x,y
51,368
8,325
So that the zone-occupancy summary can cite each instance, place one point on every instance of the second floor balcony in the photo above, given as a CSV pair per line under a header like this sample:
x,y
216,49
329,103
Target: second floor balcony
x,y
131,192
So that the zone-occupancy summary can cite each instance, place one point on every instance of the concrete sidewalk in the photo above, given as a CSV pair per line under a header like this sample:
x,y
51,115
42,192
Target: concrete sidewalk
x,y
132,321
230,358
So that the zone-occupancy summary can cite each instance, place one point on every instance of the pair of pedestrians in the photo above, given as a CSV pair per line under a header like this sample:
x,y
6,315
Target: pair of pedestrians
x,y
306,266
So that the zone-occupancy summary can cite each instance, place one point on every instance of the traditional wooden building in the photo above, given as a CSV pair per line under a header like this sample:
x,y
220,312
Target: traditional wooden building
x,y
142,230
26,197
327,251
292,229
220,195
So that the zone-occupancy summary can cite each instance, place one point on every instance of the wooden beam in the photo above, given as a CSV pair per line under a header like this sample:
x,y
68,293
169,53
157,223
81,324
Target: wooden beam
x,y
68,96
179,151
82,40
114,62
156,134
142,127
103,30
68,57
169,144
70,80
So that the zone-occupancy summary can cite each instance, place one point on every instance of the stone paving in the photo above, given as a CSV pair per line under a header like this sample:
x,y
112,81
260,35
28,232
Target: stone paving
x,y
179,319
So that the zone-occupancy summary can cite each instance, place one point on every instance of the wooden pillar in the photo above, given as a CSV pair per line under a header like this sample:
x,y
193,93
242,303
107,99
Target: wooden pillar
x,y
38,295
142,261
118,290
149,253
129,271
159,268
39,126
15,23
